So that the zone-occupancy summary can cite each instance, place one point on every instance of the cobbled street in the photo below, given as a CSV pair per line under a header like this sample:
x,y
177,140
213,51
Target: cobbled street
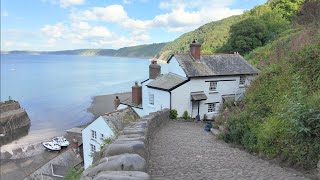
x,y
183,150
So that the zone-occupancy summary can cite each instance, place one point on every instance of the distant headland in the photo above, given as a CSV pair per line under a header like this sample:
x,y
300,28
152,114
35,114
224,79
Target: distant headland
x,y
141,51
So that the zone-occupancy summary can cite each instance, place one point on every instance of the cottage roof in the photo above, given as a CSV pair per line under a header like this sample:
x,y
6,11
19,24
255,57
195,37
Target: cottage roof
x,y
119,118
167,82
129,102
214,65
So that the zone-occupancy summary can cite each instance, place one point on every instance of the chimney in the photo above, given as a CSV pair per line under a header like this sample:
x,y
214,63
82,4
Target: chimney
x,y
116,102
136,94
154,70
195,48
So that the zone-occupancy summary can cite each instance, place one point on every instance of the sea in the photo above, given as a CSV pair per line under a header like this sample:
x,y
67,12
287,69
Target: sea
x,y
56,90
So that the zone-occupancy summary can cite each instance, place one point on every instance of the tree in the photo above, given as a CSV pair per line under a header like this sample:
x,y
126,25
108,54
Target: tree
x,y
287,8
247,35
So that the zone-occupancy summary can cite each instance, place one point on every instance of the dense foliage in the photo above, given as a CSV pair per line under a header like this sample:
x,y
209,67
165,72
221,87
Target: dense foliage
x,y
280,115
212,36
287,8
261,25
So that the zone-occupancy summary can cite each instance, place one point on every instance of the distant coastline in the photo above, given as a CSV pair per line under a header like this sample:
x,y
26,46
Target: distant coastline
x,y
141,51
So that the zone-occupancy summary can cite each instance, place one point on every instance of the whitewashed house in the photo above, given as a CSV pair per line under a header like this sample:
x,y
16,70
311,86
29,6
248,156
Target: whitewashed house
x,y
196,83
104,127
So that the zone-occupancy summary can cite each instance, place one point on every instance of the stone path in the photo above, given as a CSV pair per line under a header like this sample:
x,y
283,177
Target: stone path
x,y
183,150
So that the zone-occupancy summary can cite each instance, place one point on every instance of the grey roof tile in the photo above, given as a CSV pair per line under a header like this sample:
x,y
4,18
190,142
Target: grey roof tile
x,y
215,65
167,81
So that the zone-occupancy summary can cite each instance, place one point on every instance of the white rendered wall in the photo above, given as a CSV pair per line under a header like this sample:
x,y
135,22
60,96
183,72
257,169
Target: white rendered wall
x,y
101,127
174,67
227,85
161,100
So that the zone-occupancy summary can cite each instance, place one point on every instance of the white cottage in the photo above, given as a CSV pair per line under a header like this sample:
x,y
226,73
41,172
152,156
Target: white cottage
x,y
104,127
195,83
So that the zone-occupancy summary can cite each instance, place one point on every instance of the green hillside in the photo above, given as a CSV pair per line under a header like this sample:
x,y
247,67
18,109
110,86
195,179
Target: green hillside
x,y
212,36
280,114
143,51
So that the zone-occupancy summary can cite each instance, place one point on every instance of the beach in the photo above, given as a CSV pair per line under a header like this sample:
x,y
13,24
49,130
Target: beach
x,y
19,162
105,103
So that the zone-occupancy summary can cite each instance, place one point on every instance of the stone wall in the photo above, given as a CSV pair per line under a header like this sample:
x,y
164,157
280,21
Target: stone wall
x,y
9,106
127,157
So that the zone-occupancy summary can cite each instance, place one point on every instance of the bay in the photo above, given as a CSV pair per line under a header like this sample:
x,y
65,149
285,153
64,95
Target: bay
x,y
56,90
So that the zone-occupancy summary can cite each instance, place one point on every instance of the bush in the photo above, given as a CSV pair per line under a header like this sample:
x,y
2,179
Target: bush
x,y
173,114
205,117
185,115
73,174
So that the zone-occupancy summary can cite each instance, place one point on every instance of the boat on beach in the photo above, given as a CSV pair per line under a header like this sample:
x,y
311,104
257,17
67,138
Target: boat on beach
x,y
51,146
61,141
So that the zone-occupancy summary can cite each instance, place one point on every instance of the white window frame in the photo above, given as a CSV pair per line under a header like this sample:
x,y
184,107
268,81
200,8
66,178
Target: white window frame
x,y
151,99
213,85
242,80
93,148
212,107
93,134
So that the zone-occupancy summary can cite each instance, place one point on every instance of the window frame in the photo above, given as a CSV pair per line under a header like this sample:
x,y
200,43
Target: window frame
x,y
213,86
213,108
93,134
151,99
242,80
93,148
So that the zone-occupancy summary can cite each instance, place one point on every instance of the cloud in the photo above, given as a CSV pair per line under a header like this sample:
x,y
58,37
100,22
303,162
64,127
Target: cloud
x,y
68,3
183,15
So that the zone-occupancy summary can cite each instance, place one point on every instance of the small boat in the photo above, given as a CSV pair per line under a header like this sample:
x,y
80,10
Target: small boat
x,y
61,141
51,146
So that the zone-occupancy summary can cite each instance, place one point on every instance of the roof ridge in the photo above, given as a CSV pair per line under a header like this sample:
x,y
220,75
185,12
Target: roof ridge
x,y
115,111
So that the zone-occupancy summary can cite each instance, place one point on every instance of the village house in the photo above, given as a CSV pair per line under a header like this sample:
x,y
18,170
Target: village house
x,y
104,127
196,83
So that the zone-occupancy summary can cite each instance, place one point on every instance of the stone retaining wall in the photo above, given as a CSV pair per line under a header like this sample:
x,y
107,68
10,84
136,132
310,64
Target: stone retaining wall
x,y
9,106
128,156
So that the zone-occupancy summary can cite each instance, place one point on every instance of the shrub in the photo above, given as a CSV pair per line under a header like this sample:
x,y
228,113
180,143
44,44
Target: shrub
x,y
106,141
173,114
205,117
73,174
185,115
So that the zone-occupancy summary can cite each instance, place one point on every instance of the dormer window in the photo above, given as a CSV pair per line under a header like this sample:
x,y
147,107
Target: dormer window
x,y
242,80
213,86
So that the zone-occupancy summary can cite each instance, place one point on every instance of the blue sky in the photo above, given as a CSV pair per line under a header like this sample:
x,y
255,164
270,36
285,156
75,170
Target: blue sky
x,y
75,24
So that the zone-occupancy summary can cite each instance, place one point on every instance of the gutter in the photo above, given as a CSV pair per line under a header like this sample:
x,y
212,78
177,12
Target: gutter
x,y
170,100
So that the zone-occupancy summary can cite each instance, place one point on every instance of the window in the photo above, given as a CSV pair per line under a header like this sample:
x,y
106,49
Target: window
x,y
151,99
212,107
102,136
242,80
213,86
93,134
93,148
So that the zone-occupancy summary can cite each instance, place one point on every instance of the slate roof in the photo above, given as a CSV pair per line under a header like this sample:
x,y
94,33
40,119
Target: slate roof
x,y
167,82
214,65
129,102
119,118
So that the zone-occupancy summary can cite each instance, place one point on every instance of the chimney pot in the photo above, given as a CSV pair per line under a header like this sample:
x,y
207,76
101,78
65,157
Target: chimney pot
x,y
195,49
136,94
154,70
116,102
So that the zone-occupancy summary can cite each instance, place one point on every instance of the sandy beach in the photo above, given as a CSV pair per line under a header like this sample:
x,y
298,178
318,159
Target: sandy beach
x,y
17,162
104,103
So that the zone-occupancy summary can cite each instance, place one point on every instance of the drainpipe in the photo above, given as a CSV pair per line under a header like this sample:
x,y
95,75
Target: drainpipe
x,y
170,99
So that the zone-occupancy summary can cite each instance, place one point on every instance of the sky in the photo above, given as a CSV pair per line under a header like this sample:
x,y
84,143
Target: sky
x,y
46,25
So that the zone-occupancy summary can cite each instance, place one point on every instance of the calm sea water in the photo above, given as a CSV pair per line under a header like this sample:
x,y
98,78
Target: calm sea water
x,y
56,90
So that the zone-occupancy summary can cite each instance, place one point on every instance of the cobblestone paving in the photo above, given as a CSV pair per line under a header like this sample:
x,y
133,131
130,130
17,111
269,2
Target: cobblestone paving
x,y
183,150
